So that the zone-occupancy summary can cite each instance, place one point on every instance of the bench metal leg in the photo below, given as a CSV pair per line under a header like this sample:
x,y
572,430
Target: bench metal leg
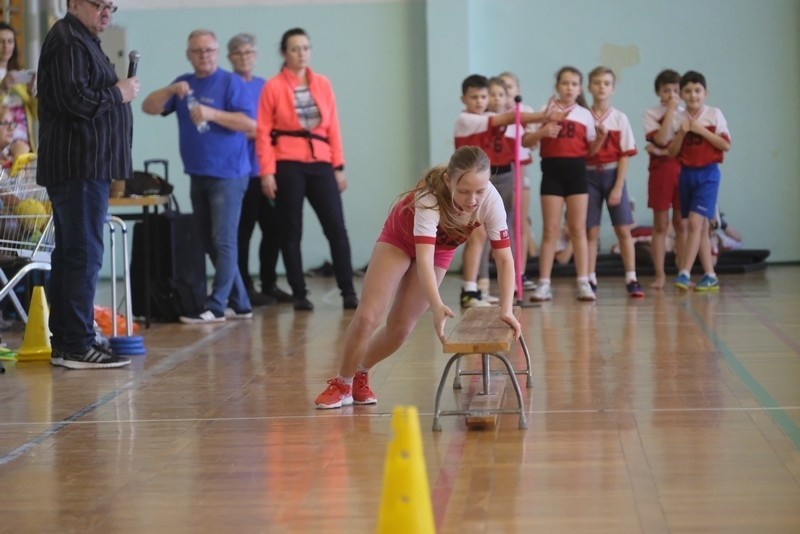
x,y
523,422
487,379
486,374
437,425
528,370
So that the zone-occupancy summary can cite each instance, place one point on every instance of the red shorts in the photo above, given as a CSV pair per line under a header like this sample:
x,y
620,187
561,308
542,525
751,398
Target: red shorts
x,y
398,231
662,186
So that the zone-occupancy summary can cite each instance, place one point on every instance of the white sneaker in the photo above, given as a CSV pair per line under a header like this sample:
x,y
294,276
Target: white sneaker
x,y
585,292
541,293
230,313
206,316
489,299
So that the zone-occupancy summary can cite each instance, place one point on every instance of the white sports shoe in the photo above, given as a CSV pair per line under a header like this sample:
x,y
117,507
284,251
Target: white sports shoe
x,y
230,313
490,299
207,316
585,292
541,293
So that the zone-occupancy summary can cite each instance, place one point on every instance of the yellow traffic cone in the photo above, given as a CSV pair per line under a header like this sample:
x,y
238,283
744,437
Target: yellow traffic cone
x,y
406,500
36,342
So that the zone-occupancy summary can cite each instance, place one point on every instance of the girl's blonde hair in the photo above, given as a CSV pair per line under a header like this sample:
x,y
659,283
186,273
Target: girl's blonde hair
x,y
435,183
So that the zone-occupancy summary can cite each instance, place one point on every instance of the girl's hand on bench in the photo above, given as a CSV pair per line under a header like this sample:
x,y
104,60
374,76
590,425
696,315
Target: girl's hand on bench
x,y
440,315
511,321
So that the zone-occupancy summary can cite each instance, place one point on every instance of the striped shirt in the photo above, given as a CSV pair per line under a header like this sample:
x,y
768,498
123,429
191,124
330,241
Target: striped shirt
x,y
306,108
85,130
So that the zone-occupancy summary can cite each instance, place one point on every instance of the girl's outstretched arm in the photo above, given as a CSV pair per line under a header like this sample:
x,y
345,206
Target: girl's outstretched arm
x,y
430,285
505,277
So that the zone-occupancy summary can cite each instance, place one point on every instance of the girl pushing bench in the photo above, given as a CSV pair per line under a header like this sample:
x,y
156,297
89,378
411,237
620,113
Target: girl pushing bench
x,y
410,259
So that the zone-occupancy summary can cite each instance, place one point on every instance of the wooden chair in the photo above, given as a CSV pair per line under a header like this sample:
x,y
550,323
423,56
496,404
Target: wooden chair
x,y
480,331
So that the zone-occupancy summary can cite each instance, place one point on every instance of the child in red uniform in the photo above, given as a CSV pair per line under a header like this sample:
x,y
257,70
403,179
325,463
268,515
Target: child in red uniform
x,y
564,147
699,144
662,184
606,173
476,126
411,257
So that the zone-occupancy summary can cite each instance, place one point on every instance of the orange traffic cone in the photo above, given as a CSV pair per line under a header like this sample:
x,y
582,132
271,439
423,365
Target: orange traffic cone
x,y
36,342
406,500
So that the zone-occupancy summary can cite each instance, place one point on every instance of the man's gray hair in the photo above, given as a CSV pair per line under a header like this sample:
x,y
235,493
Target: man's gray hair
x,y
240,40
201,32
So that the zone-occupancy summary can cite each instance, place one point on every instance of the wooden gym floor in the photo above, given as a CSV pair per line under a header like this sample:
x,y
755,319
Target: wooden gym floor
x,y
676,413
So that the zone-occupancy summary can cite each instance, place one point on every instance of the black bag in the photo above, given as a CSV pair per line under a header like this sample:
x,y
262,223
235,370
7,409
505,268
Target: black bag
x,y
145,183
177,267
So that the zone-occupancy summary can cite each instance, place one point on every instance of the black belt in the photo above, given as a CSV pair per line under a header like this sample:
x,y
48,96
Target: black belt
x,y
274,134
500,169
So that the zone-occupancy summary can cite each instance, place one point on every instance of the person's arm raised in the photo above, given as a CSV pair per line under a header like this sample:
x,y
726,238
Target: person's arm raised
x,y
154,103
507,118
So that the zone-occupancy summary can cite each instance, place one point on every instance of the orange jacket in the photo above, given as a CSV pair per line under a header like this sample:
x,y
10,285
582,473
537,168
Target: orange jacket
x,y
276,111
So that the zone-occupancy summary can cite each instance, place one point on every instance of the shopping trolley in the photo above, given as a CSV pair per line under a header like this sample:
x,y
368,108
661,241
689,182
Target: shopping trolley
x,y
27,237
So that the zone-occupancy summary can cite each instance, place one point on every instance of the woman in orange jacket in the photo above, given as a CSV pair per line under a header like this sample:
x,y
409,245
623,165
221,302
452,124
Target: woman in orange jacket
x,y
299,151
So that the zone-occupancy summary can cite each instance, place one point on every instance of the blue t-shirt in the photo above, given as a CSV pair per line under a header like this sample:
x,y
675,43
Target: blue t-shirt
x,y
253,88
219,152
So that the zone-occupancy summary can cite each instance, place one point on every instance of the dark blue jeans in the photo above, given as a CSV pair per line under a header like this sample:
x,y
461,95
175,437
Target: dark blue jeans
x,y
315,181
217,204
79,216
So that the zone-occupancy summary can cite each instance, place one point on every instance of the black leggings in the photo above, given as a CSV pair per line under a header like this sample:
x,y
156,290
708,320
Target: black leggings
x,y
315,181
256,208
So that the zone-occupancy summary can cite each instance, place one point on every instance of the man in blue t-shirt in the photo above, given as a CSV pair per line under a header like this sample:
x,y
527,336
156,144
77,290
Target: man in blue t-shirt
x,y
215,116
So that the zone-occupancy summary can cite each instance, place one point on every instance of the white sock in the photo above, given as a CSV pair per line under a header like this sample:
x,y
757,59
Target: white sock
x,y
685,273
544,281
469,286
712,274
593,278
346,379
362,369
583,280
630,276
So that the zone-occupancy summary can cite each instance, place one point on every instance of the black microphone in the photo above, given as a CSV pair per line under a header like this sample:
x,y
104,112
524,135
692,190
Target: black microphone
x,y
517,98
134,63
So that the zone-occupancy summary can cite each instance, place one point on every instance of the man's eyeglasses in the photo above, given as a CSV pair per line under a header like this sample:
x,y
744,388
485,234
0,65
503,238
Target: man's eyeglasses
x,y
8,124
100,6
243,53
202,51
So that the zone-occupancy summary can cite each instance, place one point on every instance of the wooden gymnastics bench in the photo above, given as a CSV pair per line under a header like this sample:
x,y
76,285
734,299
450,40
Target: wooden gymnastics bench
x,y
480,331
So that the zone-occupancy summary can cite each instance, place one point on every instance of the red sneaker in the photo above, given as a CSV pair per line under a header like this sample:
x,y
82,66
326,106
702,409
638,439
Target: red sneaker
x,y
362,394
336,395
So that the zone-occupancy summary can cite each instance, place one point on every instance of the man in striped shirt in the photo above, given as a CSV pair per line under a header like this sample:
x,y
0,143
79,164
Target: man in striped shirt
x,y
85,137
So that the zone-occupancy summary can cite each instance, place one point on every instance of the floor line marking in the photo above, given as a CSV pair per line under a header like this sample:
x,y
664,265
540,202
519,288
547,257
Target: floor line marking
x,y
387,415
762,396
166,364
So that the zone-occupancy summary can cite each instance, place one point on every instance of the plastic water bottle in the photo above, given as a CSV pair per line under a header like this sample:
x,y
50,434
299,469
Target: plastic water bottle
x,y
191,103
